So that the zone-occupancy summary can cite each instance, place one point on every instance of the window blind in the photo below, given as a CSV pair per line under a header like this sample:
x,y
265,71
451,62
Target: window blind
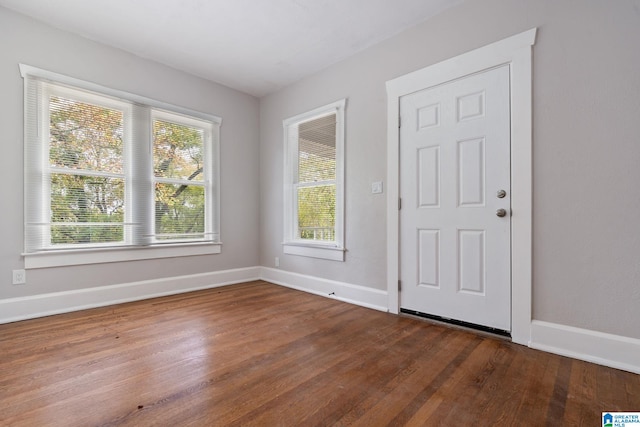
x,y
103,170
316,187
313,176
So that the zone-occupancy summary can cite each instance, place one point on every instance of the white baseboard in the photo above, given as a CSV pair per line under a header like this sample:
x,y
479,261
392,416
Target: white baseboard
x,y
21,308
604,349
353,294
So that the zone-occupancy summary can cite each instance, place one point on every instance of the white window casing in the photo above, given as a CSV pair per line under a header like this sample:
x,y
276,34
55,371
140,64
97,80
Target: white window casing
x,y
139,239
332,247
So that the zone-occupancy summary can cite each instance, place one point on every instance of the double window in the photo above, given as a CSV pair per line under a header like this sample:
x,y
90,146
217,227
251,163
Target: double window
x,y
314,183
107,169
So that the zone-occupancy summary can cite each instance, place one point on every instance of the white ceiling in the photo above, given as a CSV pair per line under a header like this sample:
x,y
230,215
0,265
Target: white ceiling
x,y
255,46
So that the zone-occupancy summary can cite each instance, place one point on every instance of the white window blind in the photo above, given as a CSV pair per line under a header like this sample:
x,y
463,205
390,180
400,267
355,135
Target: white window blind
x,y
180,177
105,168
314,182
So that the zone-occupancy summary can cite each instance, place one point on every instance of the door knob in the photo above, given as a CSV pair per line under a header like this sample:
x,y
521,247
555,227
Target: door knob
x,y
501,212
501,194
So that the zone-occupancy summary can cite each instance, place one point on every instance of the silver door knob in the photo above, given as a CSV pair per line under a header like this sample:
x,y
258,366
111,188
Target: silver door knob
x,y
501,194
501,213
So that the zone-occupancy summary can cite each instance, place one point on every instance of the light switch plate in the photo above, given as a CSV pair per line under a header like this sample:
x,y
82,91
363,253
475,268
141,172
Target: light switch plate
x,y
376,187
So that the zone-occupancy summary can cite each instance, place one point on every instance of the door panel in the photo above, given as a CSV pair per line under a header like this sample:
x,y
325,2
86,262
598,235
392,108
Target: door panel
x,y
429,250
455,258
428,181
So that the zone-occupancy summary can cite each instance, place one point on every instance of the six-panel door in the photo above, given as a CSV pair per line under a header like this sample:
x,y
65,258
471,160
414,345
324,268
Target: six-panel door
x,y
455,177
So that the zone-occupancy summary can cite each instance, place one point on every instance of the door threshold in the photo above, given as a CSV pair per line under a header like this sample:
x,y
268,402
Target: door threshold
x,y
459,323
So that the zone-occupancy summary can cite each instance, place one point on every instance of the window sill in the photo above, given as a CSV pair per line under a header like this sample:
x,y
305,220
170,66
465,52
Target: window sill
x,y
104,255
332,253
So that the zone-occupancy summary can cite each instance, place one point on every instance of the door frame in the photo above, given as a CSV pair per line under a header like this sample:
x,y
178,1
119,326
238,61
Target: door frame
x,y
516,51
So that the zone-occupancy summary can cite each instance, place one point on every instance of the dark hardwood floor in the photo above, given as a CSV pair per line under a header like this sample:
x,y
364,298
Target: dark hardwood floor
x,y
260,354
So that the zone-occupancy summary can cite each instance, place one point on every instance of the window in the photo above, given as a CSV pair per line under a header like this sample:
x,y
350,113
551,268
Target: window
x,y
108,170
314,183
179,177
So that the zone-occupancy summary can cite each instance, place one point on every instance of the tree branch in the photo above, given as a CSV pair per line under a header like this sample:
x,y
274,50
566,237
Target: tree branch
x,y
184,186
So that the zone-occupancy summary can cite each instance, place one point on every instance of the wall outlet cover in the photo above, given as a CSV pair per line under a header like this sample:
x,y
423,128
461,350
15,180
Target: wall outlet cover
x,y
19,277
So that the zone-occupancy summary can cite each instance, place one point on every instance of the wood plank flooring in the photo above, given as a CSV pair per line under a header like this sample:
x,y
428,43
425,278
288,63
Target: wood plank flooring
x,y
257,354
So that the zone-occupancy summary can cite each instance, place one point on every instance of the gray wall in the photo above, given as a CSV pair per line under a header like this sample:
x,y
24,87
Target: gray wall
x,y
25,40
586,151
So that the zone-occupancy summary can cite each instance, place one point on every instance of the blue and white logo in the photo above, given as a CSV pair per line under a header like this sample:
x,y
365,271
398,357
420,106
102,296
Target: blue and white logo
x,y
621,419
607,420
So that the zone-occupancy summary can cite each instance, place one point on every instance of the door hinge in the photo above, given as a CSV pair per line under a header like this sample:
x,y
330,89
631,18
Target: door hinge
x,y
399,122
399,203
399,285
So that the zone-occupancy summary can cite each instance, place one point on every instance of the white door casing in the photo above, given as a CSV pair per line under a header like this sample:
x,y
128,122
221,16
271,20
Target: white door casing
x,y
455,253
515,51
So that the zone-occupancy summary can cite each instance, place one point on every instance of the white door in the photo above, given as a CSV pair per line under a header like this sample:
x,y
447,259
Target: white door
x,y
455,258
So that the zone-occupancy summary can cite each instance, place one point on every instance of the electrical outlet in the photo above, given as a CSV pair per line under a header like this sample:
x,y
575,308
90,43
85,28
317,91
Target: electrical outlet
x,y
277,262
19,277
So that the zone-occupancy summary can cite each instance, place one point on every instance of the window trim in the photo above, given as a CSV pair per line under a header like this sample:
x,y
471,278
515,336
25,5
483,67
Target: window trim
x,y
77,94
316,249
30,71
126,251
208,181
97,255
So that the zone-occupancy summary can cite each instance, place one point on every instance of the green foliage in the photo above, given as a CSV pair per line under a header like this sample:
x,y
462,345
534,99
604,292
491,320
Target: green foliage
x,y
178,153
317,200
87,138
317,212
179,210
82,208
